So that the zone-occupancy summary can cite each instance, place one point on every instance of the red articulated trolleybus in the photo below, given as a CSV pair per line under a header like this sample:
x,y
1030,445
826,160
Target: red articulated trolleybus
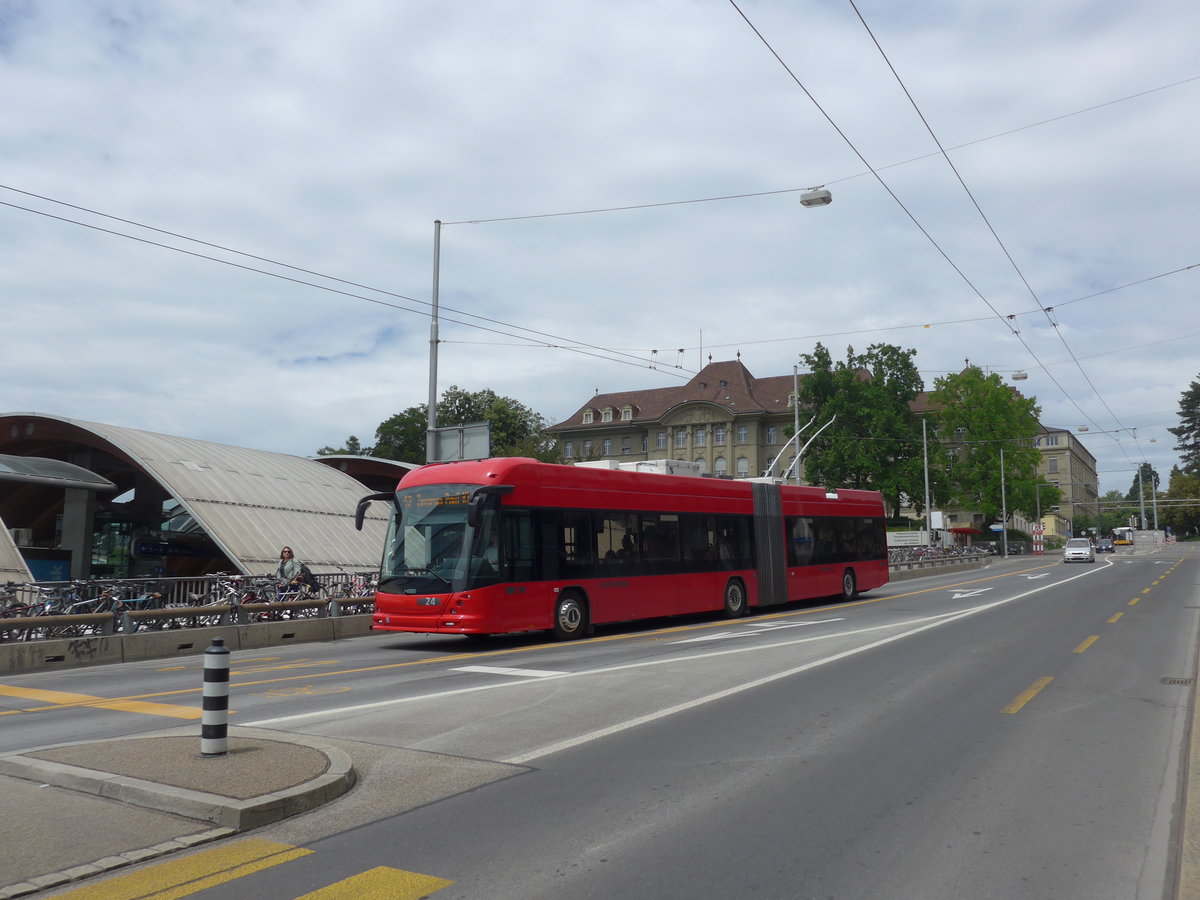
x,y
504,545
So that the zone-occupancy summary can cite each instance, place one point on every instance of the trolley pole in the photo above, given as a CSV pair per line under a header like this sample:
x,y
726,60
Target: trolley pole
x,y
214,718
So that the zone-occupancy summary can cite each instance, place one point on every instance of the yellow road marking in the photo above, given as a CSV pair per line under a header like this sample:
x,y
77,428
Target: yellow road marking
x,y
1145,592
1113,620
191,874
1086,644
64,700
1025,696
381,884
1133,602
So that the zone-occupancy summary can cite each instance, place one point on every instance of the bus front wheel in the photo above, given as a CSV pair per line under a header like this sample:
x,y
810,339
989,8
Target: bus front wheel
x,y
735,599
570,616
849,585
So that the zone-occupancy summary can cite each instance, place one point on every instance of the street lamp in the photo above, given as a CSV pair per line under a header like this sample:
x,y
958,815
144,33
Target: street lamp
x,y
816,196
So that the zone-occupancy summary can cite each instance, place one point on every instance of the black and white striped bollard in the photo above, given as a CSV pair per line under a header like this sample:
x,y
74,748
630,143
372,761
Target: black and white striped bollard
x,y
214,718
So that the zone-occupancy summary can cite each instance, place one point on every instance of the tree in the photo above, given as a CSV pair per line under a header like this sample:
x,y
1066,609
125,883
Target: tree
x,y
1188,431
516,429
402,436
875,439
1182,517
1145,484
1115,511
352,448
980,415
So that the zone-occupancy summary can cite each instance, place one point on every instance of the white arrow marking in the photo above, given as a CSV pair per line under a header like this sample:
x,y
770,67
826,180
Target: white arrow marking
x,y
1035,577
958,595
719,636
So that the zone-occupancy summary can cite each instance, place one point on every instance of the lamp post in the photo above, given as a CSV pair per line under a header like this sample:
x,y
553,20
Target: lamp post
x,y
431,426
1003,509
796,412
928,511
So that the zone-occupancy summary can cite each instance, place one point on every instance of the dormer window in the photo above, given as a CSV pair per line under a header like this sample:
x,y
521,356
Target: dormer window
x,y
606,414
626,413
587,417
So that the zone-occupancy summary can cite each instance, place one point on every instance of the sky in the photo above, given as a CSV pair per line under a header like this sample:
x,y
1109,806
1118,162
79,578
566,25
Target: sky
x,y
218,217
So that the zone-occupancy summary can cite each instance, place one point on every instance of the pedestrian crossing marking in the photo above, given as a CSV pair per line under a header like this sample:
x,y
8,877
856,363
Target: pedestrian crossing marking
x,y
191,874
66,700
382,883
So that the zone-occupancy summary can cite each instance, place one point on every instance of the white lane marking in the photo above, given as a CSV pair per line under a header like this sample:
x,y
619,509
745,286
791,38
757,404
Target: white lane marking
x,y
958,595
502,670
754,628
932,622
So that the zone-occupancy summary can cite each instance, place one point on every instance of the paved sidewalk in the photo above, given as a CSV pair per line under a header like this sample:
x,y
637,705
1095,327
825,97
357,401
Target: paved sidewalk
x,y
74,811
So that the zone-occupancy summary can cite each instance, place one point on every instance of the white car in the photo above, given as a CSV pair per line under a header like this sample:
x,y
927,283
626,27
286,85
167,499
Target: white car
x,y
1079,550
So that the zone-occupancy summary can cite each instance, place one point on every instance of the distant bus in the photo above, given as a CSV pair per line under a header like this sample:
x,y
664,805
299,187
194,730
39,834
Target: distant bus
x,y
504,545
1122,536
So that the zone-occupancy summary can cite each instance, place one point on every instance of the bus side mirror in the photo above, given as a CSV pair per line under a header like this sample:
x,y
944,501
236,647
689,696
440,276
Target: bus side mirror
x,y
361,512
479,498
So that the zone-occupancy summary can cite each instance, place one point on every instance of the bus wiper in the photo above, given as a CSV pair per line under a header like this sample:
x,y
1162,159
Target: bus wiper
x,y
426,570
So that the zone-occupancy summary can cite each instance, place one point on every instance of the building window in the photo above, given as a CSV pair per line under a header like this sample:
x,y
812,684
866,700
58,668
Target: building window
x,y
606,414
960,433
1052,440
645,443
627,414
719,465
772,434
719,435
680,438
569,450
701,437
660,440
741,434
625,446
703,465
587,448
587,417
1052,465
608,446
743,467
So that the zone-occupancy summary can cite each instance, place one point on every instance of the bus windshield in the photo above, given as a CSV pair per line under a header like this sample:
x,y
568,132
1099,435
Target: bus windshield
x,y
430,547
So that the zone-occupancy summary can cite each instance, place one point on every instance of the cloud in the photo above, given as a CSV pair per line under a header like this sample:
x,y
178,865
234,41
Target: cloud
x,y
330,138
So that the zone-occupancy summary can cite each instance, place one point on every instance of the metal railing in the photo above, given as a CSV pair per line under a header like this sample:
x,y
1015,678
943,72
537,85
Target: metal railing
x,y
48,610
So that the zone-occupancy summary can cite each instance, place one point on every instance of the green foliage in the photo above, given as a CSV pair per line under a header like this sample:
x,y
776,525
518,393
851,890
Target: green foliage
x,y
875,439
516,429
402,436
1188,431
1145,483
1182,517
980,415
351,448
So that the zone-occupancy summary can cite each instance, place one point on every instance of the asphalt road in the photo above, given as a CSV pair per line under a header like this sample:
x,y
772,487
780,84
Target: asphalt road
x,y
1011,733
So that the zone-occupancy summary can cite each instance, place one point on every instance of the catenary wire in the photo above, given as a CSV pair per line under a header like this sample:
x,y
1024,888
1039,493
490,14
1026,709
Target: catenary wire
x,y
995,235
572,346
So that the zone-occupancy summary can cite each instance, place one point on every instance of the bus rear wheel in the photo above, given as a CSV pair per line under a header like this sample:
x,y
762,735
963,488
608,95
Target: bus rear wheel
x,y
849,585
735,599
570,616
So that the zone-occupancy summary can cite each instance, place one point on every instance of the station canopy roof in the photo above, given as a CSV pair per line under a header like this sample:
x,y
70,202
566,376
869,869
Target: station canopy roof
x,y
250,502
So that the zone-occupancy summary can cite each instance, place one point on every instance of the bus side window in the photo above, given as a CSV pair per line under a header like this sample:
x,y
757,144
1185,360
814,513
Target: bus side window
x,y
800,541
